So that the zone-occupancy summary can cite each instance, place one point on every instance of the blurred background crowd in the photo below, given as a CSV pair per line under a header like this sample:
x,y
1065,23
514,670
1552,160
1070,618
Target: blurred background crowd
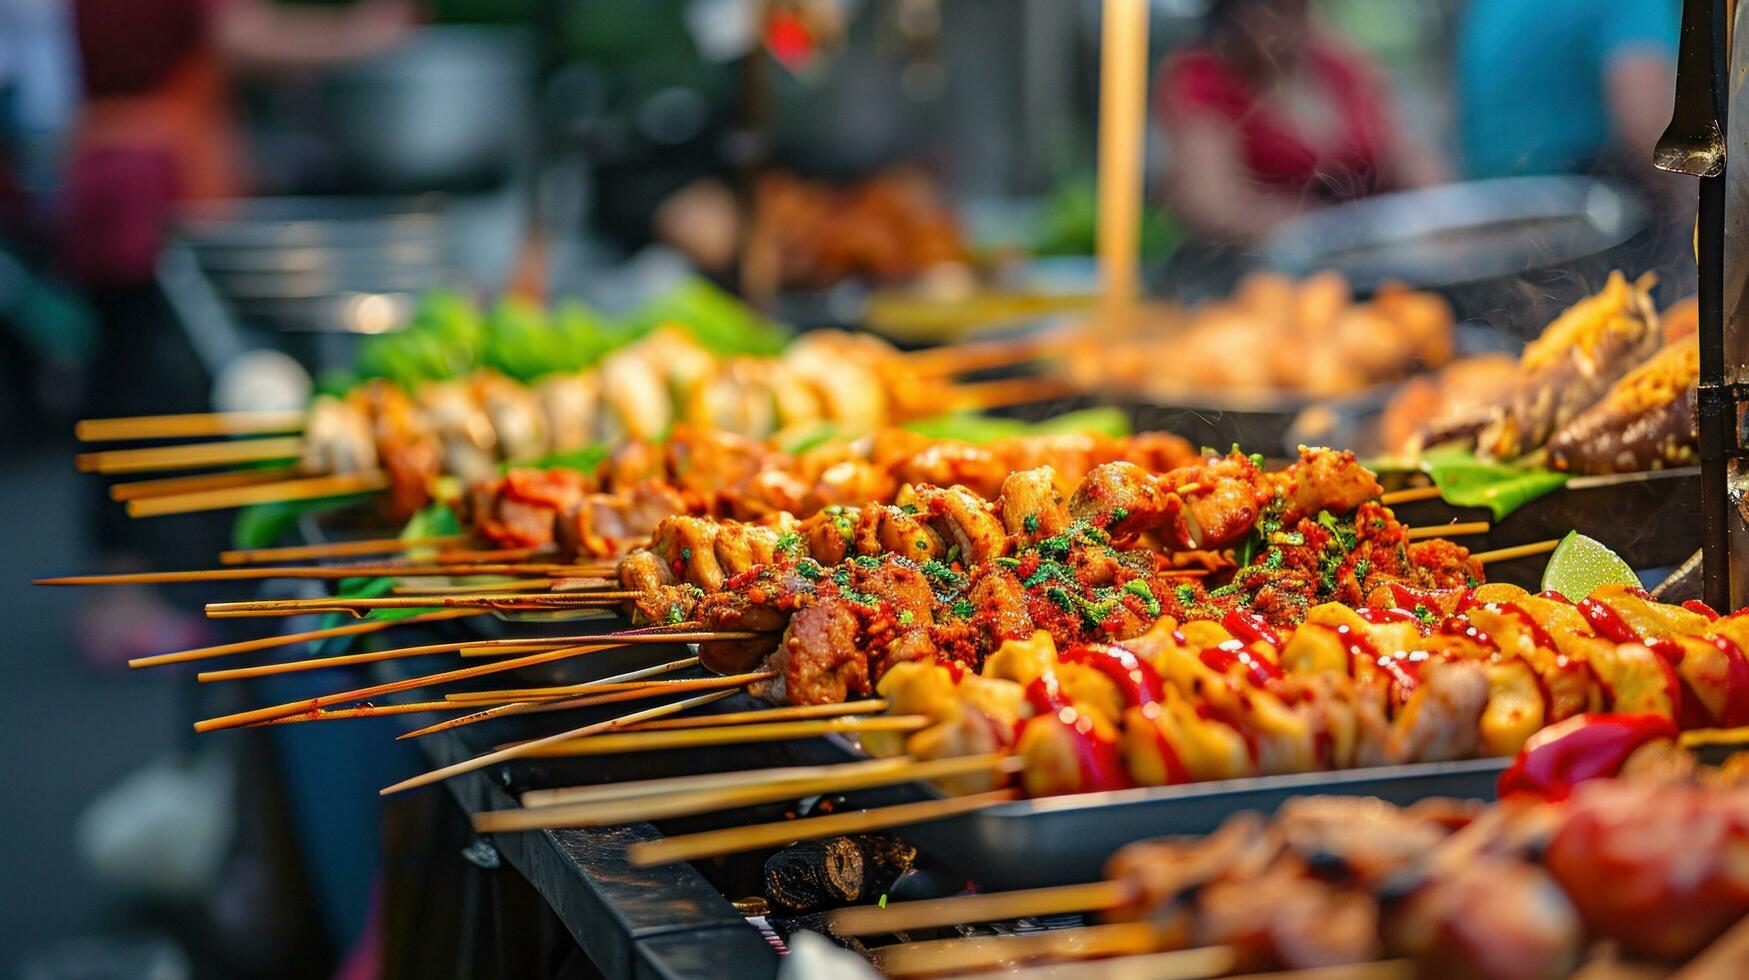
x,y
212,202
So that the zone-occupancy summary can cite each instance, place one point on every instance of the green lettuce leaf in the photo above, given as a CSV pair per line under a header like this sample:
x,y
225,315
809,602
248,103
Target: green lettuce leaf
x,y
1465,481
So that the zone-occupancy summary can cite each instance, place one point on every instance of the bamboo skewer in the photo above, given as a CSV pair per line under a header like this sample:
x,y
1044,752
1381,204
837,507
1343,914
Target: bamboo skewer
x,y
483,588
366,711
688,847
509,602
427,707
606,640
669,785
291,639
710,800
1123,110
1178,965
1011,391
255,573
794,712
392,687
337,549
521,749
979,355
189,426
358,607
1410,495
1452,530
312,488
601,693
1517,551
871,920
1084,942
730,735
172,485
193,456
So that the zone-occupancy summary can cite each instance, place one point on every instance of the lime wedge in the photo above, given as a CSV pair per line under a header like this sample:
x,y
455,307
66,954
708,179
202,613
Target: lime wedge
x,y
1580,565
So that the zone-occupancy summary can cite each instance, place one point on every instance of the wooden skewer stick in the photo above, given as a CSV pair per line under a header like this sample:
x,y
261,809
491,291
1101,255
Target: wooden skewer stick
x,y
668,785
979,395
312,488
1083,942
427,707
871,920
290,639
1453,530
794,712
366,711
983,354
393,687
1409,496
374,656
170,485
1178,965
358,607
688,847
254,573
338,549
711,800
483,588
193,456
1123,111
563,691
777,731
191,426
1517,551
602,693
522,749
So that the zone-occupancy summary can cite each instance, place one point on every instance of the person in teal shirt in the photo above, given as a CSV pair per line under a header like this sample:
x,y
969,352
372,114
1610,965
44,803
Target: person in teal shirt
x,y
1565,86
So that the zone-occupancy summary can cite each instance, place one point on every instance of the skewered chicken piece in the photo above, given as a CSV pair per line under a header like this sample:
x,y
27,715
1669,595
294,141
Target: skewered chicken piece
x,y
856,384
715,473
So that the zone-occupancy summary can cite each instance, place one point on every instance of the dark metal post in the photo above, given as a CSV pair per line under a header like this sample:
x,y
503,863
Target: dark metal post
x,y
1695,144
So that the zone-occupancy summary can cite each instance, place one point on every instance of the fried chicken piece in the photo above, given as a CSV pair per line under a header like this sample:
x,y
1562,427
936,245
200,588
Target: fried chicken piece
x,y
1324,479
688,546
1032,509
965,522
1122,498
946,464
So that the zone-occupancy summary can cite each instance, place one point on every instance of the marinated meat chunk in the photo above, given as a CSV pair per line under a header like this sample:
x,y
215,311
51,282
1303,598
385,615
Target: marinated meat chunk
x,y
818,660
1120,497
965,521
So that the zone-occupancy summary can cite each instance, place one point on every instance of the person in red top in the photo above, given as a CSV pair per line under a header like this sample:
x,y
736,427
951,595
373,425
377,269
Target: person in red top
x,y
1269,118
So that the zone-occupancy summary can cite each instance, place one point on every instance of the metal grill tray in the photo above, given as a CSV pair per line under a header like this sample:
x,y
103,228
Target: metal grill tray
x,y
1067,839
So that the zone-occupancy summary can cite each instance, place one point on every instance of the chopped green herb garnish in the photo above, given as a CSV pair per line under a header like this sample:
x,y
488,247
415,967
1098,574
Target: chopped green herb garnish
x,y
906,617
1141,590
1030,523
1186,594
964,609
1118,514
1426,615
809,570
789,544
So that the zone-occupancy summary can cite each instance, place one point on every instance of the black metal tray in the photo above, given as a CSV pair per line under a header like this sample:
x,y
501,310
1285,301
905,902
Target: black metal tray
x,y
1067,839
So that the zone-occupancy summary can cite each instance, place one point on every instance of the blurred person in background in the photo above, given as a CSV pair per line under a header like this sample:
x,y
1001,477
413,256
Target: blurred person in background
x,y
158,128
1269,117
1569,86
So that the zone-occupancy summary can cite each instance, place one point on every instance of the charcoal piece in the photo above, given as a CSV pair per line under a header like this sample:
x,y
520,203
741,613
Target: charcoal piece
x,y
815,874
